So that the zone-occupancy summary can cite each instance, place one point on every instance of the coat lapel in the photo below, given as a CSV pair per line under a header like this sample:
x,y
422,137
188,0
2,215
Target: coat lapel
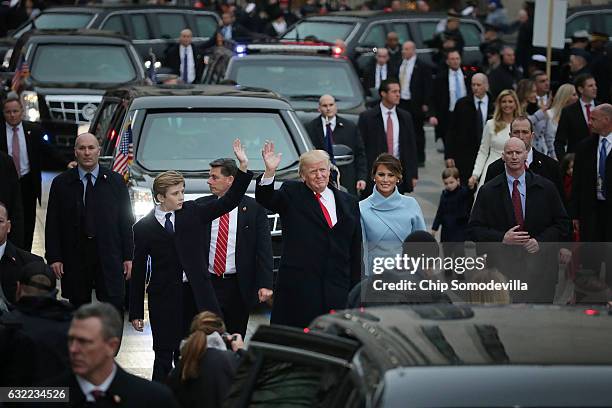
x,y
313,207
3,142
382,142
502,186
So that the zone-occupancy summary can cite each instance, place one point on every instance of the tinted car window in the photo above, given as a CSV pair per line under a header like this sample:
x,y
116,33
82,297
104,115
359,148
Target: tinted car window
x,y
170,25
584,22
140,26
114,24
206,26
376,36
299,78
48,21
427,29
189,141
56,63
323,31
471,34
104,117
402,31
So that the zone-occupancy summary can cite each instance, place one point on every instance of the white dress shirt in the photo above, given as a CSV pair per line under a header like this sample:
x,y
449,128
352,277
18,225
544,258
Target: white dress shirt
x,y
452,91
381,73
2,249
608,148
190,63
24,162
542,99
407,68
529,157
327,198
395,121
87,387
332,122
230,258
160,215
584,112
94,177
484,107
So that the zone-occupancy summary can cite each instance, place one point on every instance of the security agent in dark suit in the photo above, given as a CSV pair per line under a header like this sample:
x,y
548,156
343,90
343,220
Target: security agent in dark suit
x,y
23,141
180,285
185,60
88,231
573,124
329,129
467,122
537,162
12,259
321,258
449,86
377,71
415,96
10,194
521,209
96,380
239,249
388,129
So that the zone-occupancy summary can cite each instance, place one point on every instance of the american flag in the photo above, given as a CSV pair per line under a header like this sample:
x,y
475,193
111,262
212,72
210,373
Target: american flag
x,y
124,156
22,72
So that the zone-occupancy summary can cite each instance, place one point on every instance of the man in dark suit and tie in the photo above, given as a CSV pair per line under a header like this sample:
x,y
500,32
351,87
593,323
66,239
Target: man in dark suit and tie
x,y
388,129
96,379
12,259
329,129
239,249
321,258
574,121
232,31
521,210
377,71
415,94
172,237
88,231
185,60
537,162
467,122
449,86
10,195
23,141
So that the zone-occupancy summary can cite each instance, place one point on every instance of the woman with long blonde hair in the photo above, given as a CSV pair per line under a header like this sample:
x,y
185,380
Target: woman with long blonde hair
x,y
566,95
495,134
204,374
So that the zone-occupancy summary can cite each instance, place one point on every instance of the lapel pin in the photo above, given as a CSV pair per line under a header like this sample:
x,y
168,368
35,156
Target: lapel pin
x,y
244,209
104,176
340,124
116,399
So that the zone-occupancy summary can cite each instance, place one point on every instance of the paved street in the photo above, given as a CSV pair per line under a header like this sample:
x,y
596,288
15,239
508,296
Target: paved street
x,y
136,353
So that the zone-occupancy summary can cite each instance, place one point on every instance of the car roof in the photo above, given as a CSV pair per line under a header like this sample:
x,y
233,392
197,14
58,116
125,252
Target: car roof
x,y
577,9
200,96
445,334
114,7
80,35
362,15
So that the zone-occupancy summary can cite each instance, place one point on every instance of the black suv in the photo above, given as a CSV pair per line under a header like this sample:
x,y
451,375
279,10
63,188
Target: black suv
x,y
149,27
69,72
432,356
362,31
589,19
185,127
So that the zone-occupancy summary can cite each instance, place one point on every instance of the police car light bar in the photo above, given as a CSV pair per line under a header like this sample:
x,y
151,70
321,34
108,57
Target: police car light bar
x,y
295,47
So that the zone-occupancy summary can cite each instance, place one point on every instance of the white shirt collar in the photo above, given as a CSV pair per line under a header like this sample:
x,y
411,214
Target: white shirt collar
x,y
530,156
2,249
411,60
583,103
608,138
88,387
384,109
332,121
327,195
159,213
19,127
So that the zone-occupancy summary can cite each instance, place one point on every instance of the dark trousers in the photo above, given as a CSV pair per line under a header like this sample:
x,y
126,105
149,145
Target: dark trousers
x,y
417,121
28,198
442,128
93,278
162,365
235,312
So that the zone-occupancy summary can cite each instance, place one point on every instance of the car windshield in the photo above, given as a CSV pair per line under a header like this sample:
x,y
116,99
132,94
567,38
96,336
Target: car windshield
x,y
57,21
321,30
189,141
300,79
55,63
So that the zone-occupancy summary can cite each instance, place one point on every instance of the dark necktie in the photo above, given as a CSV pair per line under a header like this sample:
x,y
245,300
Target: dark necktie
x,y
588,115
325,212
98,395
185,71
16,153
479,121
516,204
90,213
329,142
602,165
168,224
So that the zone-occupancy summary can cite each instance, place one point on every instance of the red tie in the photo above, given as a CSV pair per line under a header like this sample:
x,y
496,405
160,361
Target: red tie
x,y
325,212
516,203
389,133
221,248
15,152
588,112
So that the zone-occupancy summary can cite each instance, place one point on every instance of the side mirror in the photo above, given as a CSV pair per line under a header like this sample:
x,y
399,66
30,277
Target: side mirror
x,y
106,161
365,48
343,155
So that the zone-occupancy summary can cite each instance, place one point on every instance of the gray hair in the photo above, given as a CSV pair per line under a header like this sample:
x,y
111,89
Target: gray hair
x,y
227,165
112,324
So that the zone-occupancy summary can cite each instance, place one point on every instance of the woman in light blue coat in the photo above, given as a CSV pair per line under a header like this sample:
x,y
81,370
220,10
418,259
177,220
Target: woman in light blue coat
x,y
387,217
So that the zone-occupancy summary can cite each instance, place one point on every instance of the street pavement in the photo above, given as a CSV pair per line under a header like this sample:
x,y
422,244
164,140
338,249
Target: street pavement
x,y
136,353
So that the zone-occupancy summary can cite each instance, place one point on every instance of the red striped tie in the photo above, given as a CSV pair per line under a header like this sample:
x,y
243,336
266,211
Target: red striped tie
x,y
325,212
221,247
